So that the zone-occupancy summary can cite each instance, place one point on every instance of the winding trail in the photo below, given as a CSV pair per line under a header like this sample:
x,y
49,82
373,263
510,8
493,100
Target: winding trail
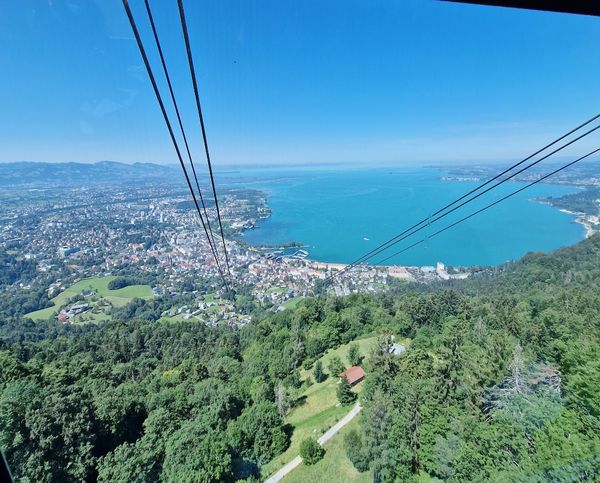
x,y
330,433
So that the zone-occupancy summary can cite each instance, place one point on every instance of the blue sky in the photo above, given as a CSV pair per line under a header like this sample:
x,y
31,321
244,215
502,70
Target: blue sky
x,y
287,81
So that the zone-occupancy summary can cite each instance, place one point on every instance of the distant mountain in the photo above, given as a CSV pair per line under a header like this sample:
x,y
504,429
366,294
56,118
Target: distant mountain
x,y
69,174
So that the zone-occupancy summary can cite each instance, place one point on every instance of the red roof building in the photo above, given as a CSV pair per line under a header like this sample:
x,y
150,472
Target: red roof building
x,y
354,374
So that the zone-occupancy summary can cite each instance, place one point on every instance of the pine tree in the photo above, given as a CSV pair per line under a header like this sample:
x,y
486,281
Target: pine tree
x,y
354,355
320,376
344,392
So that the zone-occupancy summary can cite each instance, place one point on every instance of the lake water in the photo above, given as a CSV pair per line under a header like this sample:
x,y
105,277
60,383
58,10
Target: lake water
x,y
340,215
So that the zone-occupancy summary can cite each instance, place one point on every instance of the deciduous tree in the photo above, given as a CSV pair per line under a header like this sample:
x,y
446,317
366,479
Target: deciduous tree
x,y
311,451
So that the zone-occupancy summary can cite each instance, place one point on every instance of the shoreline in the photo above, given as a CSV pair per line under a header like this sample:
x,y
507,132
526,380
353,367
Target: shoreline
x,y
579,217
587,221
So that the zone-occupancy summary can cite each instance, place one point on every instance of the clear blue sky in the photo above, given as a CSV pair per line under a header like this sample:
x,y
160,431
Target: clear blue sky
x,y
288,81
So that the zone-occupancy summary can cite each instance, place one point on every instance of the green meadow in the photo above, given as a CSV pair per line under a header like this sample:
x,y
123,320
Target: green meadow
x,y
317,408
316,411
291,303
335,465
102,299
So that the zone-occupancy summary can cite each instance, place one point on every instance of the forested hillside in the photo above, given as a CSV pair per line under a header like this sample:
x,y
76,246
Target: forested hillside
x,y
501,382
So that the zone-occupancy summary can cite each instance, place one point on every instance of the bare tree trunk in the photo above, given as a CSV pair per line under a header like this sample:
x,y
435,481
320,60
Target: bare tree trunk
x,y
517,370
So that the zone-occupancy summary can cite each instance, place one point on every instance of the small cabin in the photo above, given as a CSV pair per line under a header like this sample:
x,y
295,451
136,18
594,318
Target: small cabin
x,y
354,375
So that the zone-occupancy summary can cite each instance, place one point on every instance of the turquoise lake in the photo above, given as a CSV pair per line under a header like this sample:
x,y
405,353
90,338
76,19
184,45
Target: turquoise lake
x,y
341,215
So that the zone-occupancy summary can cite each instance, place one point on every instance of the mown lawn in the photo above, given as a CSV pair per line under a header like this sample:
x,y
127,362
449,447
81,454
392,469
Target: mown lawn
x,y
335,465
99,285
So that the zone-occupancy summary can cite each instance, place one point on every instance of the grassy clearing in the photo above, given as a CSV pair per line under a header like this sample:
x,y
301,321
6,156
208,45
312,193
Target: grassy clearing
x,y
312,417
318,407
317,412
292,303
335,465
90,317
43,314
128,293
175,319
99,285
365,346
166,319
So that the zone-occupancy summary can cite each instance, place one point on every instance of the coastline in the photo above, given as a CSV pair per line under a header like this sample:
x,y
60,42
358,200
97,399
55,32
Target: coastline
x,y
579,217
587,221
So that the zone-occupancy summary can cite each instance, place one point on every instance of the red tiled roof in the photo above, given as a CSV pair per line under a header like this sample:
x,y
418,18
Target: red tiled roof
x,y
354,374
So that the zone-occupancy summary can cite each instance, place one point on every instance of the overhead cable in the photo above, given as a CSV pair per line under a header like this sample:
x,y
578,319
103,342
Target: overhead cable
x,y
201,119
425,222
185,141
169,127
439,232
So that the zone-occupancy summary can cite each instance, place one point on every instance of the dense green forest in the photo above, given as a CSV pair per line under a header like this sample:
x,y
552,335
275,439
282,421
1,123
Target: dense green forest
x,y
13,269
501,382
